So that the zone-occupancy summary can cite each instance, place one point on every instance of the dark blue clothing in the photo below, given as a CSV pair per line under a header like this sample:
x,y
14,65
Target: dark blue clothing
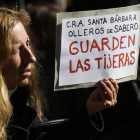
x,y
25,123
122,122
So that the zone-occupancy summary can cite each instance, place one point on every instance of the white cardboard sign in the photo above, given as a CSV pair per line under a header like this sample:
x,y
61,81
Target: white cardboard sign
x,y
97,46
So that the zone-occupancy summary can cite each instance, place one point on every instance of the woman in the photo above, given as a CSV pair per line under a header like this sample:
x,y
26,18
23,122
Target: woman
x,y
21,97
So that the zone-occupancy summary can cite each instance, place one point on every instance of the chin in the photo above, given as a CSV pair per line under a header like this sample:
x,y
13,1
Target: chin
x,y
24,82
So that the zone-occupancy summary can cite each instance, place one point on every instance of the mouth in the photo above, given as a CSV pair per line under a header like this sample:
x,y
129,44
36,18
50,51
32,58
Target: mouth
x,y
26,73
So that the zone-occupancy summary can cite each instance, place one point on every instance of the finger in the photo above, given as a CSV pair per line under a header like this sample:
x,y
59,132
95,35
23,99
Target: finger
x,y
113,81
105,100
103,96
109,84
112,88
106,90
109,104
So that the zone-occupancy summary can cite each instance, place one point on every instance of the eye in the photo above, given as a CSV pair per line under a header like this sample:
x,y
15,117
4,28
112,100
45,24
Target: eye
x,y
16,50
28,43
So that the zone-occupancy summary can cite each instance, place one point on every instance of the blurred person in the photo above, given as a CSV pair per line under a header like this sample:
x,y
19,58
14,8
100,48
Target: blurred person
x,y
43,30
61,4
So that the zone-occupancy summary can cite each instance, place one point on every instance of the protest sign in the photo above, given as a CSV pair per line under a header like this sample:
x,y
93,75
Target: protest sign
x,y
92,45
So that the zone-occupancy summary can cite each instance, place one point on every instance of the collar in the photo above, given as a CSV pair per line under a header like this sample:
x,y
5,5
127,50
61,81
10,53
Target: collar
x,y
10,92
20,94
23,115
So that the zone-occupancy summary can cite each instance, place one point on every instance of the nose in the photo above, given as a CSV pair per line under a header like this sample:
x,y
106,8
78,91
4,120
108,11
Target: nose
x,y
29,56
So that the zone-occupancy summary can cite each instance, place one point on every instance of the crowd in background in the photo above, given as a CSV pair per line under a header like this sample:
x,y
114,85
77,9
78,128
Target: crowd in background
x,y
121,120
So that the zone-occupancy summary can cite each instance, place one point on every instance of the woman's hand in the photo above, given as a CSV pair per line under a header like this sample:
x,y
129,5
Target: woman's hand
x,y
103,97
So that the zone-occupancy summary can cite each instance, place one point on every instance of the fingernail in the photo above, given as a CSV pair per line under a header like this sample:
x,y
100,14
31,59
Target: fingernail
x,y
105,79
112,79
101,80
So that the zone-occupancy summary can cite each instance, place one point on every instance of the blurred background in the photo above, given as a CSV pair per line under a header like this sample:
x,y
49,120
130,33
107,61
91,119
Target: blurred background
x,y
122,121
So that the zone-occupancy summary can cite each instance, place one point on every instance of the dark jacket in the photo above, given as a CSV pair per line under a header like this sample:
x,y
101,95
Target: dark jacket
x,y
122,122
26,125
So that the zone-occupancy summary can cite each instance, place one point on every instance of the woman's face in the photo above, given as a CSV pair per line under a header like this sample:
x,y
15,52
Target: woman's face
x,y
18,69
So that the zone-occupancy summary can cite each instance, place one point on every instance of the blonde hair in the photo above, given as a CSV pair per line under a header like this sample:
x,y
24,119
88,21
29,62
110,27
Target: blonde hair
x,y
8,19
